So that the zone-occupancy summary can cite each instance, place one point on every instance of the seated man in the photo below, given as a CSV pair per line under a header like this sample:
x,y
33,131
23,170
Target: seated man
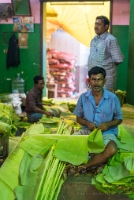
x,y
99,108
34,108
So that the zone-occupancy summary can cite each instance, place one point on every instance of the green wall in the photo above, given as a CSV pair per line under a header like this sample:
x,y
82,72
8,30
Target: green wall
x,y
32,55
130,80
28,56
121,33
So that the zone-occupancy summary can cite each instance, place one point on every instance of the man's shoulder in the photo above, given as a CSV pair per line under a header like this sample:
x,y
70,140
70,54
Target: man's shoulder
x,y
109,36
85,94
106,36
94,38
109,94
31,91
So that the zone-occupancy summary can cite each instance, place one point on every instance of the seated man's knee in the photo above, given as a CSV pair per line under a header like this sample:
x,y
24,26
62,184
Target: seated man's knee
x,y
111,149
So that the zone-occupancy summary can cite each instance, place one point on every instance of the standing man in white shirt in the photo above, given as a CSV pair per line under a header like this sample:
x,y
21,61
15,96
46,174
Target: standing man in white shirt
x,y
105,52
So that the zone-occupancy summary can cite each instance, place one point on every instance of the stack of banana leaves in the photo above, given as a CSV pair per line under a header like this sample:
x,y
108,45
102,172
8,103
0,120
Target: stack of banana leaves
x,y
62,105
122,96
51,124
36,168
8,120
117,176
47,101
128,111
37,165
71,105
5,98
60,110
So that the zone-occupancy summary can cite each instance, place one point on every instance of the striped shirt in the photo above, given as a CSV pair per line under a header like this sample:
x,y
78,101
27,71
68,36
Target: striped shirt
x,y
105,52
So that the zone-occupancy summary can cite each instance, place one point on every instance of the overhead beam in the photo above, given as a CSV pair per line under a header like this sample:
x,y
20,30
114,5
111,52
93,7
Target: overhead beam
x,y
74,1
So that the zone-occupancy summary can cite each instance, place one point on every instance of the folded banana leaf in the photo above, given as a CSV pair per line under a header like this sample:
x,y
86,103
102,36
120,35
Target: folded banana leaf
x,y
95,142
7,130
29,158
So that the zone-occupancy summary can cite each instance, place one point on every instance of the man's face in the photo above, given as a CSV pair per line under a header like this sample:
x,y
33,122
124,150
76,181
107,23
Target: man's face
x,y
97,82
99,27
40,84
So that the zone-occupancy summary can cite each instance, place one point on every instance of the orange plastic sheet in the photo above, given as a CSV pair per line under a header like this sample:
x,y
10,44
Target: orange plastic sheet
x,y
50,28
77,20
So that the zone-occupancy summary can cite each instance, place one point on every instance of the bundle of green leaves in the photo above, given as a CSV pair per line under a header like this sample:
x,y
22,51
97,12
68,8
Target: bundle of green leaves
x,y
38,162
118,175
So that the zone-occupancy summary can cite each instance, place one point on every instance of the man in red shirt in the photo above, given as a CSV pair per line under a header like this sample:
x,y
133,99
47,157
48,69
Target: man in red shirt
x,y
34,108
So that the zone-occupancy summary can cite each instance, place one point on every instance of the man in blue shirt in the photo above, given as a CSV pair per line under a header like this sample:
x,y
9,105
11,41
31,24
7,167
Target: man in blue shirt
x,y
105,52
99,108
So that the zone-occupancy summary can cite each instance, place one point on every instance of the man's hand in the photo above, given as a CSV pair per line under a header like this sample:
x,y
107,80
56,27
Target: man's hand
x,y
103,126
48,114
91,126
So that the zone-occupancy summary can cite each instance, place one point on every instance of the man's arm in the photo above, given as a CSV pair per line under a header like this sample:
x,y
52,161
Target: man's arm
x,y
117,63
106,125
32,104
90,125
38,110
115,51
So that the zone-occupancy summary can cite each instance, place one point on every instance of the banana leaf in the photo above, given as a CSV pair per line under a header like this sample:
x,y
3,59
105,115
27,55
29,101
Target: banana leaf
x,y
72,149
72,106
53,109
62,109
125,136
67,149
8,115
64,105
23,124
34,144
115,178
68,116
118,174
48,120
35,129
125,147
95,142
129,163
30,170
9,174
40,177
7,129
99,187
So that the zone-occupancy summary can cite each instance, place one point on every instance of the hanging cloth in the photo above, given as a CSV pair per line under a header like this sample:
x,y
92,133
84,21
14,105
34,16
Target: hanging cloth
x,y
13,57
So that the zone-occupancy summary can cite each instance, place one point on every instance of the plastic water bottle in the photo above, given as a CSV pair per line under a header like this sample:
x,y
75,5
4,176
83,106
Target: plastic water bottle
x,y
18,85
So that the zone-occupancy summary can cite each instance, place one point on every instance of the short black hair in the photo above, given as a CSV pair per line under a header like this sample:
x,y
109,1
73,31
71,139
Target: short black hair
x,y
97,70
104,19
37,78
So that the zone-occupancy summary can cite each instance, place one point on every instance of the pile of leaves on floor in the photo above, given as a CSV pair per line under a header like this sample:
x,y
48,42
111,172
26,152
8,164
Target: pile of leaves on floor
x,y
60,110
40,159
8,120
41,156
38,162
117,176
128,111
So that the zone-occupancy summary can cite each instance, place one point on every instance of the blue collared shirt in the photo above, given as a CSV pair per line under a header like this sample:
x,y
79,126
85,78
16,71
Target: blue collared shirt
x,y
108,109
